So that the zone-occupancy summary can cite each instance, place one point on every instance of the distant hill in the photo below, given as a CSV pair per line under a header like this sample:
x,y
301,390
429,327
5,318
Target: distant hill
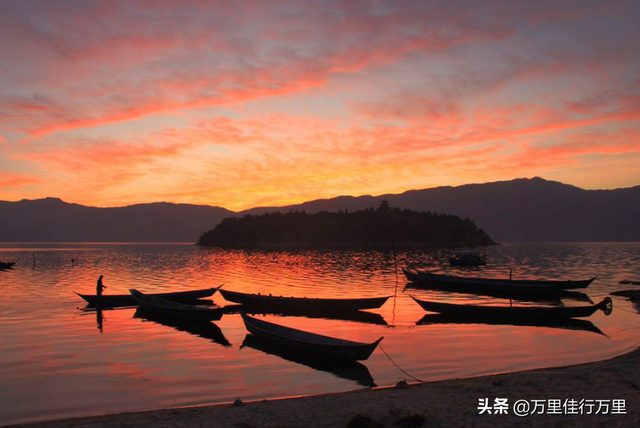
x,y
382,227
50,220
518,210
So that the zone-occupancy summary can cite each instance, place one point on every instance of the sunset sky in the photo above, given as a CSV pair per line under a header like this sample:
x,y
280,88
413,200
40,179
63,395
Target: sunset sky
x,y
247,103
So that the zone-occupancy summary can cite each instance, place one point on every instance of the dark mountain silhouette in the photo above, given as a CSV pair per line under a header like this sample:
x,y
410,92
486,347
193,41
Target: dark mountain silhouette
x,y
518,210
50,219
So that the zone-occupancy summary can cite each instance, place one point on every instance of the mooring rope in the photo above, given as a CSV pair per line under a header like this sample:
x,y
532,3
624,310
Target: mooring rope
x,y
399,368
625,310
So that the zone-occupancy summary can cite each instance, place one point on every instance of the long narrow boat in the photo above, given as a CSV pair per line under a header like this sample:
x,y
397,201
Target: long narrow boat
x,y
311,343
575,324
533,312
302,303
467,259
159,306
549,298
462,283
6,265
115,300
363,317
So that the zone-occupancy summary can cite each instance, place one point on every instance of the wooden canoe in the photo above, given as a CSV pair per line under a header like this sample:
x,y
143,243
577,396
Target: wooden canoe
x,y
6,265
116,300
549,298
534,312
160,306
559,323
311,343
463,283
363,317
302,303
467,259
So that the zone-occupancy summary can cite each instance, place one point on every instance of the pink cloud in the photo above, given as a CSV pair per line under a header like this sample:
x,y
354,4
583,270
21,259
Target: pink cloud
x,y
119,63
318,98
17,180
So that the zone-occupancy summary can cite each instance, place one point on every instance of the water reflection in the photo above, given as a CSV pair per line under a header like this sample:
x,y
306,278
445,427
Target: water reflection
x,y
567,324
635,303
352,370
99,319
205,329
98,311
46,346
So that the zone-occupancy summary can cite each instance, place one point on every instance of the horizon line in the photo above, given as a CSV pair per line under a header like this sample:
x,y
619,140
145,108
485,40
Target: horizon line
x,y
320,199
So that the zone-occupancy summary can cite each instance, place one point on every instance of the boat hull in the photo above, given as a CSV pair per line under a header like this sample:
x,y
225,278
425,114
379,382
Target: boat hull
x,y
162,307
512,312
300,303
363,317
116,300
6,265
564,323
461,283
310,343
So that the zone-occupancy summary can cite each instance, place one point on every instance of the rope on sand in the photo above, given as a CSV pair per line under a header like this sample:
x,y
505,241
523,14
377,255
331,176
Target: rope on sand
x,y
399,368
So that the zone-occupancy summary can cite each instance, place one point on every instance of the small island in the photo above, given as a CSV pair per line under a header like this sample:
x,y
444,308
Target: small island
x,y
381,227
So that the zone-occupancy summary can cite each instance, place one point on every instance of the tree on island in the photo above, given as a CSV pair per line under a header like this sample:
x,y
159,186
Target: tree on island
x,y
376,227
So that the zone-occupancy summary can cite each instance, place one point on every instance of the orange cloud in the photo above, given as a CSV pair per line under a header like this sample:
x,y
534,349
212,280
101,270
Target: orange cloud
x,y
17,180
287,101
182,71
275,160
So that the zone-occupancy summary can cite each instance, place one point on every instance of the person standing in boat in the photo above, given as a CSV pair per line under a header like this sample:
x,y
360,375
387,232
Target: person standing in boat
x,y
100,287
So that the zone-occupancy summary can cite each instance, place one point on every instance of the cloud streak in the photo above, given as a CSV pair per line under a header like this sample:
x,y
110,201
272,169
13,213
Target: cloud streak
x,y
245,103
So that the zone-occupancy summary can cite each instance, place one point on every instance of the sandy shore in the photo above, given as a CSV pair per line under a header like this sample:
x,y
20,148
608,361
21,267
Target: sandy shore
x,y
452,403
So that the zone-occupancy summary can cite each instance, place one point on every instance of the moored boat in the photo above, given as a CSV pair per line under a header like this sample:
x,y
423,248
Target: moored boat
x,y
467,259
311,343
363,317
559,323
159,306
530,312
301,303
115,300
462,283
6,265
548,298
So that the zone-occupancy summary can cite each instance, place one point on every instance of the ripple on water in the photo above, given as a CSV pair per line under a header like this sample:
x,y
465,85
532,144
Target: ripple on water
x,y
57,360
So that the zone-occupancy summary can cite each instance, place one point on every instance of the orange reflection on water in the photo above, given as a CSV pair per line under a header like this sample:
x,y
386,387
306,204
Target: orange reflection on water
x,y
50,344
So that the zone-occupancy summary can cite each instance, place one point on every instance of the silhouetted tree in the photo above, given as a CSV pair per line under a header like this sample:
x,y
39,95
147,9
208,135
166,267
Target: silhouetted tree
x,y
365,227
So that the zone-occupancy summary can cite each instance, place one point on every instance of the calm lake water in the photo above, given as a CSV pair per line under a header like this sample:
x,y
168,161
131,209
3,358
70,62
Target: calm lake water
x,y
58,360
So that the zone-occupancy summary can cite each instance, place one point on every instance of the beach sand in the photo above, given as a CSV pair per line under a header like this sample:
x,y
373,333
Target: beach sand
x,y
451,403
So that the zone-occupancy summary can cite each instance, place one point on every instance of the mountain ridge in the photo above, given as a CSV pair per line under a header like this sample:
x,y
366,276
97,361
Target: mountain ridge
x,y
523,209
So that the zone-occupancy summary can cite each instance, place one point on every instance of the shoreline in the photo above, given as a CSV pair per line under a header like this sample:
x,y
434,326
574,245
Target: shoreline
x,y
451,402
